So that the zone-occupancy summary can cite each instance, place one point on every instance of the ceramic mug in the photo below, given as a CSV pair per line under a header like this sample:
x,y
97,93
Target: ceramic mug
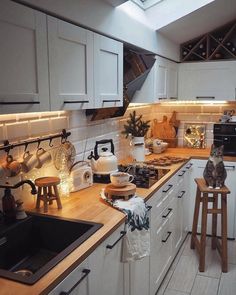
x,y
120,179
29,162
11,167
43,157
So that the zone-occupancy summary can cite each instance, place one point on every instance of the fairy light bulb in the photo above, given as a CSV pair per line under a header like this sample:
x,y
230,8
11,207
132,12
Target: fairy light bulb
x,y
64,175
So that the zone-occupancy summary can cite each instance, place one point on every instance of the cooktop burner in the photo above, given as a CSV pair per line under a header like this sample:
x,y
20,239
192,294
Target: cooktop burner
x,y
144,176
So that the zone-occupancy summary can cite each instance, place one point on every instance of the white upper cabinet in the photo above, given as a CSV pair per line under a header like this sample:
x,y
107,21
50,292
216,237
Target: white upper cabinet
x,y
23,59
161,83
166,79
71,65
108,72
207,81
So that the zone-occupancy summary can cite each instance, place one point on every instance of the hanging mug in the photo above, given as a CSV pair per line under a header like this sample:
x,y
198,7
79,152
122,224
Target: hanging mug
x,y
43,157
29,162
11,166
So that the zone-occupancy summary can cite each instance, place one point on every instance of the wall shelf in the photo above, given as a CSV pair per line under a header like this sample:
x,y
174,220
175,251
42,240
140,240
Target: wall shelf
x,y
219,44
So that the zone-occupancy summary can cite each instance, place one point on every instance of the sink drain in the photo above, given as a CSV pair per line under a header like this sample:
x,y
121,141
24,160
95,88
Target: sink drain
x,y
24,272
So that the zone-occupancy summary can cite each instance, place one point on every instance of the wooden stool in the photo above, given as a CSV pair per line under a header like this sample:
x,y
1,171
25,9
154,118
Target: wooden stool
x,y
202,188
45,194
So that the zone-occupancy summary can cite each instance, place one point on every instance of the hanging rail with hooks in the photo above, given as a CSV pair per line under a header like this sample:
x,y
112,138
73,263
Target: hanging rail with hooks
x,y
7,146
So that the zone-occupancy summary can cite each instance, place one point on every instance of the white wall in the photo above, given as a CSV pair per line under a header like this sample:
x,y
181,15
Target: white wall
x,y
112,21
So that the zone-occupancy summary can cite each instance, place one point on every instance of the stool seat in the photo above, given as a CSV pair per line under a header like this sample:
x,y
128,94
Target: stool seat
x,y
202,196
46,186
201,183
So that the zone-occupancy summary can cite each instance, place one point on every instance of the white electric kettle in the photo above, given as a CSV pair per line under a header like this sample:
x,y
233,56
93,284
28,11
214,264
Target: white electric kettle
x,y
106,161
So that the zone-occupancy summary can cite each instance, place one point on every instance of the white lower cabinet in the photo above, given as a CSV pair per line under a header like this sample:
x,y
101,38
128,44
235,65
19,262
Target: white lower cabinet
x,y
107,269
76,283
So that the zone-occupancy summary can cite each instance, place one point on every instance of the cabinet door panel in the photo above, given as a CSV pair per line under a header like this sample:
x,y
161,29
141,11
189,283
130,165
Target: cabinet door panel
x,y
108,72
71,66
172,88
23,58
161,80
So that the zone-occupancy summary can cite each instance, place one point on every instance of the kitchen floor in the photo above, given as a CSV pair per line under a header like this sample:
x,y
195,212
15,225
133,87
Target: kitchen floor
x,y
184,278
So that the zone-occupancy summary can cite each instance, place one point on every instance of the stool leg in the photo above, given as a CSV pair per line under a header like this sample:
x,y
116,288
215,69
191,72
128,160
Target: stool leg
x,y
58,200
214,222
50,195
195,218
224,233
38,198
45,200
203,232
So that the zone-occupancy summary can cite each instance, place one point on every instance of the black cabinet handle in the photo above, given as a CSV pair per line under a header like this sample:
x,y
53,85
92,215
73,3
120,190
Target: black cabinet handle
x,y
183,172
85,272
205,97
181,195
76,101
122,234
149,208
18,102
169,210
173,98
229,167
169,187
111,100
162,98
189,166
167,237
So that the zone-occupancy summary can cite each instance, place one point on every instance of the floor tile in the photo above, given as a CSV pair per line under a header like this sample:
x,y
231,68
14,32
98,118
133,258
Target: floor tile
x,y
228,281
184,274
174,292
205,286
165,282
213,264
232,252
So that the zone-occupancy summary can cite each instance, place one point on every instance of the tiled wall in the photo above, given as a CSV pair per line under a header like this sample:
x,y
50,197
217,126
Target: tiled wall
x,y
84,133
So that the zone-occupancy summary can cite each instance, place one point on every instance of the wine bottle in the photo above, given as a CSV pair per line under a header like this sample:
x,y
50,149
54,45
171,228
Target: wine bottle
x,y
220,39
185,53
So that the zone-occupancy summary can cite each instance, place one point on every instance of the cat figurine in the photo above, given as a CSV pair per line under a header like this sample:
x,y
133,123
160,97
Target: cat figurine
x,y
215,172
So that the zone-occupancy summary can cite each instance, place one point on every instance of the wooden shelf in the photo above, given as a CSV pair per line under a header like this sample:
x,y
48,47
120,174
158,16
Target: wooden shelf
x,y
219,44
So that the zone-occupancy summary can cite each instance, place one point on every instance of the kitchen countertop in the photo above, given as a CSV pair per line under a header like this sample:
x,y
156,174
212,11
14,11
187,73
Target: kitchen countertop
x,y
87,205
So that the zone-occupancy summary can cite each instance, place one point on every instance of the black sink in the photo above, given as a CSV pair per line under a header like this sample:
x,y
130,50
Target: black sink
x,y
31,247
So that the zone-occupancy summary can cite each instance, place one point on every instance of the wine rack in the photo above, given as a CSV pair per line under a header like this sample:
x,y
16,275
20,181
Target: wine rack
x,y
219,44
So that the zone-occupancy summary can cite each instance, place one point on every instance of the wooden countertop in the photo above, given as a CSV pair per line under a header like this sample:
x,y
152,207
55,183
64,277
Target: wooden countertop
x,y
87,205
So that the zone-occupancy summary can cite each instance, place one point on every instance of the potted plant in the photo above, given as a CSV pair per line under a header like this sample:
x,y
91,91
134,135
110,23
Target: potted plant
x,y
137,128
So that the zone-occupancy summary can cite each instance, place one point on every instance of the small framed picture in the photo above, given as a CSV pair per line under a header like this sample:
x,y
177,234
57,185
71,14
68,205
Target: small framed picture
x,y
194,135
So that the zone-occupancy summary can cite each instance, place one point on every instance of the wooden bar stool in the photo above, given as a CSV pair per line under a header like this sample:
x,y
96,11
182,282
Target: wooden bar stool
x,y
202,196
46,186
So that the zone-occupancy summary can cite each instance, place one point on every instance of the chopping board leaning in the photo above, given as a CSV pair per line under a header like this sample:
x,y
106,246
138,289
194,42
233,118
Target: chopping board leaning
x,y
163,130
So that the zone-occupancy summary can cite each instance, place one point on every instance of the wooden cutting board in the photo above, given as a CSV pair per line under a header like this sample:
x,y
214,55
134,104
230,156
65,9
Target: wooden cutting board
x,y
174,122
163,129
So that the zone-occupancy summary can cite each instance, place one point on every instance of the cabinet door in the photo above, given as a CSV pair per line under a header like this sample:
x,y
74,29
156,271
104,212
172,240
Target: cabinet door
x,y
161,82
71,66
23,59
108,72
209,81
107,273
78,280
172,78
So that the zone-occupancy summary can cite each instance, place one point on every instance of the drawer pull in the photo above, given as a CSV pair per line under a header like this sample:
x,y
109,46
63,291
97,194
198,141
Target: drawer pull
x,y
181,195
189,166
111,100
3,241
85,272
122,234
169,210
229,167
181,174
76,101
167,237
149,208
18,102
169,187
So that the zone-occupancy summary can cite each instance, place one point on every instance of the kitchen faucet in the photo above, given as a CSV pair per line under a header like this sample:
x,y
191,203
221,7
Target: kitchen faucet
x,y
33,191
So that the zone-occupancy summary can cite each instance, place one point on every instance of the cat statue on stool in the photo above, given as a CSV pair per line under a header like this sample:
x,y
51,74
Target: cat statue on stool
x,y
215,172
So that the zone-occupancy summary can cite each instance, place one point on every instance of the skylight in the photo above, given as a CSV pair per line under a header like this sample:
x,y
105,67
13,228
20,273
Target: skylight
x,y
145,4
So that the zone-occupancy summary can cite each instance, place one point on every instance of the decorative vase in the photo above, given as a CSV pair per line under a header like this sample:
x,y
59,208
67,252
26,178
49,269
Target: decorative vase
x,y
138,149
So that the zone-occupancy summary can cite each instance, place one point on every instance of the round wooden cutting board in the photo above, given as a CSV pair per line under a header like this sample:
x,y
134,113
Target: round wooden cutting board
x,y
120,192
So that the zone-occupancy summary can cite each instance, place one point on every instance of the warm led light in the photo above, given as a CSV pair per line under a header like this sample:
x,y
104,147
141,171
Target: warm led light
x,y
211,102
8,117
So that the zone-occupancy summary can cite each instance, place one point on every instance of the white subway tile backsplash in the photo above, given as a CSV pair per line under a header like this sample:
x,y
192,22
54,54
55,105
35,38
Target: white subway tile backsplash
x,y
18,130
57,124
39,127
2,137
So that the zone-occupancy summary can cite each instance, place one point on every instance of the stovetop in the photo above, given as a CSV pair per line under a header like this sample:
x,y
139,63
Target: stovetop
x,y
144,176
